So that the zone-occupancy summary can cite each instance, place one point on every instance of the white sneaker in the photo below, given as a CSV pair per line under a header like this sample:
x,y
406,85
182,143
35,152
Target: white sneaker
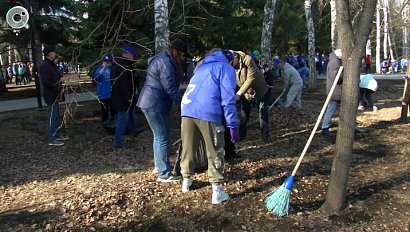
x,y
219,196
155,171
360,108
374,108
186,183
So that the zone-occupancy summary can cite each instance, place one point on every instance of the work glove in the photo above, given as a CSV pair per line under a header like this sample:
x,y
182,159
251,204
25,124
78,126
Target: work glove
x,y
234,134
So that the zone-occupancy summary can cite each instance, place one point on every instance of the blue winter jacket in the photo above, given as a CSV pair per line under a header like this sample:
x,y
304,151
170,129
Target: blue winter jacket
x,y
161,87
103,83
210,95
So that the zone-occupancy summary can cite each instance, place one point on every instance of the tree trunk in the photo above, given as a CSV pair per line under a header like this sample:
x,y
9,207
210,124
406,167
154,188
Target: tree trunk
x,y
311,43
405,14
405,103
267,28
378,36
353,45
385,30
161,25
333,32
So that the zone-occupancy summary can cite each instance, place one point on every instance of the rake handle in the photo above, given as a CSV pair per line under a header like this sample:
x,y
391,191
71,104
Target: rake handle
x,y
312,134
277,99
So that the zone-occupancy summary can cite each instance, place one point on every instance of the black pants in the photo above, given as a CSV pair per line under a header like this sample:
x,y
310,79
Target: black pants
x,y
230,148
106,107
263,106
367,68
365,97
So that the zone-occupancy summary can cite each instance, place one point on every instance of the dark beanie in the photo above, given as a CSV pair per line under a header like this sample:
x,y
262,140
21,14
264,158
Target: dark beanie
x,y
47,49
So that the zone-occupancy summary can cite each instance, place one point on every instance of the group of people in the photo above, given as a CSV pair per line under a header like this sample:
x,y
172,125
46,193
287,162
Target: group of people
x,y
21,72
221,80
394,66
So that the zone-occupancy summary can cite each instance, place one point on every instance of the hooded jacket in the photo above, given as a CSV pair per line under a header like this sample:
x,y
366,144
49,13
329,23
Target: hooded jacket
x,y
210,95
250,78
161,87
124,84
332,69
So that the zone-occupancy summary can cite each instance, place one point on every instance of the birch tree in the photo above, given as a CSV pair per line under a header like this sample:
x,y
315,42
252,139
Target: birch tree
x,y
161,24
352,38
311,43
333,31
266,38
385,30
378,37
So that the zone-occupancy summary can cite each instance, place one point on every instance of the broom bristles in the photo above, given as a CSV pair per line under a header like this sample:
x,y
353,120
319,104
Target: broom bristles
x,y
277,202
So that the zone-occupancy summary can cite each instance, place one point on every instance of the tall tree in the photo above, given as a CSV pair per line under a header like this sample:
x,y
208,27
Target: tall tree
x,y
333,29
311,43
378,37
353,34
267,29
161,24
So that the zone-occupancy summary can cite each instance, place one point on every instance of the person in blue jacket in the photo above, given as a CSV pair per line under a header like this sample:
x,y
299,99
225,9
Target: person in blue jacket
x,y
208,99
160,90
102,77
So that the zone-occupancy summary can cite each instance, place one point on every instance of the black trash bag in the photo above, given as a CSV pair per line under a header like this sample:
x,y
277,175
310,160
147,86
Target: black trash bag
x,y
201,160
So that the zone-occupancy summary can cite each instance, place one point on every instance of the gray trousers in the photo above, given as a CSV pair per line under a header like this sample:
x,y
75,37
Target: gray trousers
x,y
191,132
294,96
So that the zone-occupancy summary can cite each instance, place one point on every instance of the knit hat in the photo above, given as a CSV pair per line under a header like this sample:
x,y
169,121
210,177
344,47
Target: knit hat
x,y
47,49
180,45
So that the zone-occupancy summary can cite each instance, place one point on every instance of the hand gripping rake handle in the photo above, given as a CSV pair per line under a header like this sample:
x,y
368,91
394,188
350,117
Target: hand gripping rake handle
x,y
277,99
329,95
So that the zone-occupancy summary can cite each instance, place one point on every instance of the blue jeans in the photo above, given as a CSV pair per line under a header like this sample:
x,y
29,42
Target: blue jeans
x,y
159,124
124,118
330,112
53,121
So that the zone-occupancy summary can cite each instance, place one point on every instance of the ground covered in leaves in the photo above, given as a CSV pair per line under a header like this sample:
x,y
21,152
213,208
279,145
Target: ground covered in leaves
x,y
87,185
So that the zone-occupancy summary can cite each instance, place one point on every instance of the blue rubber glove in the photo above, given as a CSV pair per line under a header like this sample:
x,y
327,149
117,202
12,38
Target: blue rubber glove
x,y
234,134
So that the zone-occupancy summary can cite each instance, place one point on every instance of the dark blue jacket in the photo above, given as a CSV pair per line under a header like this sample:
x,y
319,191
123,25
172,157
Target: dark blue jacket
x,y
103,83
50,79
161,87
210,95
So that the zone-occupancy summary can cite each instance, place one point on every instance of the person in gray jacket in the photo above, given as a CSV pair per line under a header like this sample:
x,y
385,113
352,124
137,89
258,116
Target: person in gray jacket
x,y
335,61
292,84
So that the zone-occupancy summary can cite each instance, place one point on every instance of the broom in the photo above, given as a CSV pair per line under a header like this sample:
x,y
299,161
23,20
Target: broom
x,y
277,202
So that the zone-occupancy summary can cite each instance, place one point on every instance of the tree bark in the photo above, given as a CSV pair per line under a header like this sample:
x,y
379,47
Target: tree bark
x,y
405,101
378,36
266,38
333,32
161,25
353,45
311,43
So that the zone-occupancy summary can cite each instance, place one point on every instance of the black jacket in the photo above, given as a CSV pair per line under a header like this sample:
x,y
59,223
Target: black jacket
x,y
50,79
124,84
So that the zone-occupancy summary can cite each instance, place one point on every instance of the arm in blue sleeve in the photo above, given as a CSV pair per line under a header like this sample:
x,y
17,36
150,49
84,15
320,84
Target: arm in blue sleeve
x,y
168,79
